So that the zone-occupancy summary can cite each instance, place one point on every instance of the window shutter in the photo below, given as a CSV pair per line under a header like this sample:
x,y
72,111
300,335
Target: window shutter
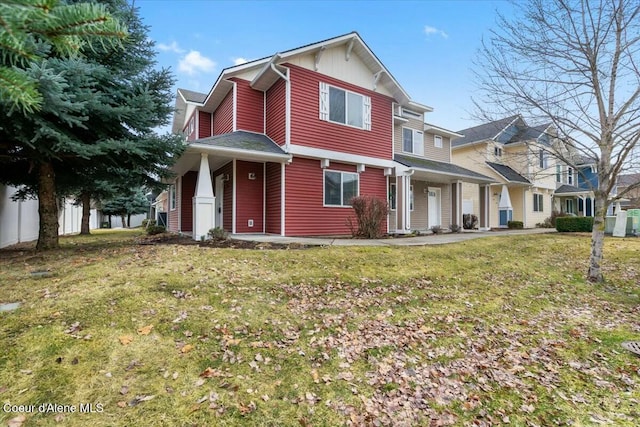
x,y
324,101
418,143
367,113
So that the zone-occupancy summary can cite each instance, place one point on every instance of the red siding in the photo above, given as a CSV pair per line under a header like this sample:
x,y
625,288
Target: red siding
x,y
223,116
227,198
186,203
250,108
307,128
304,210
249,197
276,112
273,190
204,124
172,215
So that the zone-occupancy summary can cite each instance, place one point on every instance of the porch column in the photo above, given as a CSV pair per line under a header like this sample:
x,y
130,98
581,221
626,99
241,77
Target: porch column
x,y
406,186
203,201
456,200
485,205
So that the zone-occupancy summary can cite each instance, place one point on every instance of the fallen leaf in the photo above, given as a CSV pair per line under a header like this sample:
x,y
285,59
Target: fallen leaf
x,y
122,404
124,390
211,373
125,339
186,349
17,421
59,418
74,361
315,376
145,330
26,371
265,397
175,375
199,382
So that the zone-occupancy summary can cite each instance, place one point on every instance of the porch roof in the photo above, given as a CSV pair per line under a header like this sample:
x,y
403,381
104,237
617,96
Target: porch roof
x,y
449,170
570,190
508,173
242,140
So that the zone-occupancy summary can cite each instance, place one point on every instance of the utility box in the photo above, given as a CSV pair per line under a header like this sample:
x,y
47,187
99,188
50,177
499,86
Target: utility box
x,y
633,216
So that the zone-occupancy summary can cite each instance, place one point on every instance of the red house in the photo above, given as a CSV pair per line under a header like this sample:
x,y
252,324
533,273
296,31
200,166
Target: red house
x,y
281,144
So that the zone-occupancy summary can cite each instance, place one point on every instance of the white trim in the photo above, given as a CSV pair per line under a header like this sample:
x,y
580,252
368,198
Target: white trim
x,y
395,184
415,135
287,137
319,153
264,197
282,198
438,196
174,198
197,123
245,154
211,119
412,198
439,130
436,138
264,112
341,205
233,200
235,108
366,107
179,203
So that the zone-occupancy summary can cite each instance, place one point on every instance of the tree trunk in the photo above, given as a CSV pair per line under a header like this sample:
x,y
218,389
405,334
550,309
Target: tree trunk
x,y
47,208
86,212
128,220
597,241
124,222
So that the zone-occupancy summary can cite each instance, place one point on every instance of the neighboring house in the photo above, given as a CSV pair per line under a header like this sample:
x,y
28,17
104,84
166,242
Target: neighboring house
x,y
632,198
280,145
516,156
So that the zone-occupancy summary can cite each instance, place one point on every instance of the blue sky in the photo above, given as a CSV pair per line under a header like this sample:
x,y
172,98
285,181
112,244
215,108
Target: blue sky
x,y
428,46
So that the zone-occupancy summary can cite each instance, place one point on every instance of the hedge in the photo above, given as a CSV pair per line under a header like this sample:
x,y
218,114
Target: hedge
x,y
574,223
515,225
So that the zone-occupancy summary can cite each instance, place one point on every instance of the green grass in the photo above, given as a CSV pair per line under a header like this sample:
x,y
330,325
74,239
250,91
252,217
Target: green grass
x,y
495,329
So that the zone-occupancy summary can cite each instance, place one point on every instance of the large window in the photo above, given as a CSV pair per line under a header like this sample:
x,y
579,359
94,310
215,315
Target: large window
x,y
412,141
570,206
392,196
342,106
558,173
542,159
340,188
437,141
538,205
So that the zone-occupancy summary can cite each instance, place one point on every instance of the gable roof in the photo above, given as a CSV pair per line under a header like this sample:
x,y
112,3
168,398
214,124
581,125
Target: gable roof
x,y
192,96
492,131
508,173
439,167
629,179
270,71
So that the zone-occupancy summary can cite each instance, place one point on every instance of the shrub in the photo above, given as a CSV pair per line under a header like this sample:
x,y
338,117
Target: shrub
x,y
148,222
469,221
370,213
218,234
436,229
574,224
515,225
455,228
155,229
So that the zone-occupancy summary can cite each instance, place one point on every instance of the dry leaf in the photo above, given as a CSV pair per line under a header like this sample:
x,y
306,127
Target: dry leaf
x,y
125,339
17,421
145,330
122,404
186,349
315,376
124,390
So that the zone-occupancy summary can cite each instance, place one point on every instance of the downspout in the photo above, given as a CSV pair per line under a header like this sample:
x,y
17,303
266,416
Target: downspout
x,y
287,107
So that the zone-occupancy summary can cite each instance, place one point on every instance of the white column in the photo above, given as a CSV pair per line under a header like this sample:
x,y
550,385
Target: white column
x,y
203,201
282,199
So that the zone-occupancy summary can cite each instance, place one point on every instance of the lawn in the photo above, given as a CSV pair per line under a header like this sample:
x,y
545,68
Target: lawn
x,y
495,331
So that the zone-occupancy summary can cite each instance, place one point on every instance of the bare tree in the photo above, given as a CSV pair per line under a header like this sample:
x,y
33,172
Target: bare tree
x,y
575,64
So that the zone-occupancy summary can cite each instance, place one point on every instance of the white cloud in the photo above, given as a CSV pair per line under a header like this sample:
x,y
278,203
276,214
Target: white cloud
x,y
239,61
173,47
193,63
429,30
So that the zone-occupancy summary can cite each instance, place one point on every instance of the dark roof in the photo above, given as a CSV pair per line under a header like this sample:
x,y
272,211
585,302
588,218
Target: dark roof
x,y
482,132
564,189
192,96
528,133
243,141
441,167
508,173
627,180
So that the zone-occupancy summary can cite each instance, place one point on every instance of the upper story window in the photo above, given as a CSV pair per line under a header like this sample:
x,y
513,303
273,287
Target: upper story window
x,y
542,159
497,151
191,126
570,176
437,141
558,173
340,188
412,141
345,107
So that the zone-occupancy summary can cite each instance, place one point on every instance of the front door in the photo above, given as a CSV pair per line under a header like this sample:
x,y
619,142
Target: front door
x,y
433,201
219,200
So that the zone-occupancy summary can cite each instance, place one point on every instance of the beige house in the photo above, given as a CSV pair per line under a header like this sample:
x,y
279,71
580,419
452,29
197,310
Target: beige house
x,y
516,156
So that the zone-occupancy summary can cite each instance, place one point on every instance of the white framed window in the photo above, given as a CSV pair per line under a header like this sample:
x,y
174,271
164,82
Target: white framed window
x,y
570,206
538,204
497,151
412,141
172,197
542,159
570,176
437,141
392,196
345,107
192,125
411,198
558,173
340,188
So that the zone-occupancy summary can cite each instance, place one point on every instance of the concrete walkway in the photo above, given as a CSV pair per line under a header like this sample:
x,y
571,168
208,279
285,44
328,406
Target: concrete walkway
x,y
431,239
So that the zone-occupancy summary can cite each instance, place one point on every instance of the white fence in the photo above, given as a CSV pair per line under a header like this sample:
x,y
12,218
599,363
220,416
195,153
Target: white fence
x,y
19,220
